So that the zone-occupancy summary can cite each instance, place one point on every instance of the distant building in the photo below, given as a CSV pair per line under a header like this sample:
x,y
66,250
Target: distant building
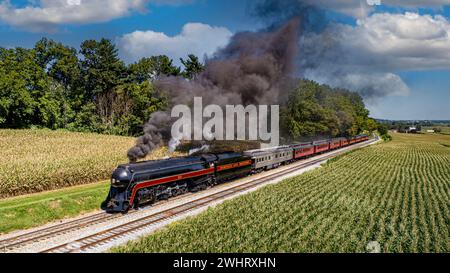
x,y
430,131
412,130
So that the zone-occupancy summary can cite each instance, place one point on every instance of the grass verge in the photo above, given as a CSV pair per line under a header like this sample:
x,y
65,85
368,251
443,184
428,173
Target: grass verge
x,y
38,209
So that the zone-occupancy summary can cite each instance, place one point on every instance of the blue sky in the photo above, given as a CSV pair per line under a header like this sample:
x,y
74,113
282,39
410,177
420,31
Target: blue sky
x,y
414,61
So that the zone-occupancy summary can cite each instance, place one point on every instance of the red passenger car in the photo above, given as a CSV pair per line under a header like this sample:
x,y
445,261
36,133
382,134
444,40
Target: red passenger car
x,y
344,142
335,144
321,146
303,150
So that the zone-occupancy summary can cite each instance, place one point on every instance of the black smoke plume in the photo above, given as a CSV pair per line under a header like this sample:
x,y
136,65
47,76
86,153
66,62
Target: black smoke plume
x,y
331,52
251,69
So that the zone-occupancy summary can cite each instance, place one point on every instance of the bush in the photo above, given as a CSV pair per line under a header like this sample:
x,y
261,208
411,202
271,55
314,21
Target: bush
x,y
386,137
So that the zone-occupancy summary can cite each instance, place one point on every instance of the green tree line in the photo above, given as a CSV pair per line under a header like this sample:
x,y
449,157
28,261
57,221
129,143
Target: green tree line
x,y
91,89
319,110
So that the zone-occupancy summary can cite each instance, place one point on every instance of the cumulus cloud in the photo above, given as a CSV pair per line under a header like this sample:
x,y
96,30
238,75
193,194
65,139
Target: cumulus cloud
x,y
194,38
366,57
361,8
47,15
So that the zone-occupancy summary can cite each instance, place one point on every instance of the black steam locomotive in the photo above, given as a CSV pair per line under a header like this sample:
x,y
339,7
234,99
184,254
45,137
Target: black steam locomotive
x,y
141,183
135,184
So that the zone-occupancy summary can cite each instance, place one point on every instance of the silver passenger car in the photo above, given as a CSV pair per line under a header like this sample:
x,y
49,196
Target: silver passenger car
x,y
265,159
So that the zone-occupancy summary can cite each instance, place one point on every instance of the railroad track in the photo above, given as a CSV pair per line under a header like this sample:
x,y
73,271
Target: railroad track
x,y
128,229
43,234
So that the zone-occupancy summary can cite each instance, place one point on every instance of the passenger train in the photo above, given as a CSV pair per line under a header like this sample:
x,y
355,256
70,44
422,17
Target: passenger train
x,y
137,184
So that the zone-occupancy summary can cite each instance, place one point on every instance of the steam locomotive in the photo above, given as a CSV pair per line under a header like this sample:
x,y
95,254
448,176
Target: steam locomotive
x,y
137,184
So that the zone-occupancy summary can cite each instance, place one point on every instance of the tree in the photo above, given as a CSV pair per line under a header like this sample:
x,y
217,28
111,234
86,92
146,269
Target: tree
x,y
63,67
151,69
24,90
133,107
192,67
317,110
102,72
383,129
101,67
163,66
371,125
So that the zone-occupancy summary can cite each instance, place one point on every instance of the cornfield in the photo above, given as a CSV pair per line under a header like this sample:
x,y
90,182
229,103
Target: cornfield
x,y
392,197
39,160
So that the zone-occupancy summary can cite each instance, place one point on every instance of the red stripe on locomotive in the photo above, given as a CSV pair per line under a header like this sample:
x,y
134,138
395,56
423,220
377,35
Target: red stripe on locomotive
x,y
234,165
167,180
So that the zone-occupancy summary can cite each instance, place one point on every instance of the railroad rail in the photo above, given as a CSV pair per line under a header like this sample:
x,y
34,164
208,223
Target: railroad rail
x,y
98,239
43,234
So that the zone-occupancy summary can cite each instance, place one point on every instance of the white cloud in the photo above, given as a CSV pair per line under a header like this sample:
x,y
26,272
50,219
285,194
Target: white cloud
x,y
47,15
400,41
361,8
195,38
366,57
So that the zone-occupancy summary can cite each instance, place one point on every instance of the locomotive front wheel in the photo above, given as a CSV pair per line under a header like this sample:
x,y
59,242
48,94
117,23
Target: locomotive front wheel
x,y
126,207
